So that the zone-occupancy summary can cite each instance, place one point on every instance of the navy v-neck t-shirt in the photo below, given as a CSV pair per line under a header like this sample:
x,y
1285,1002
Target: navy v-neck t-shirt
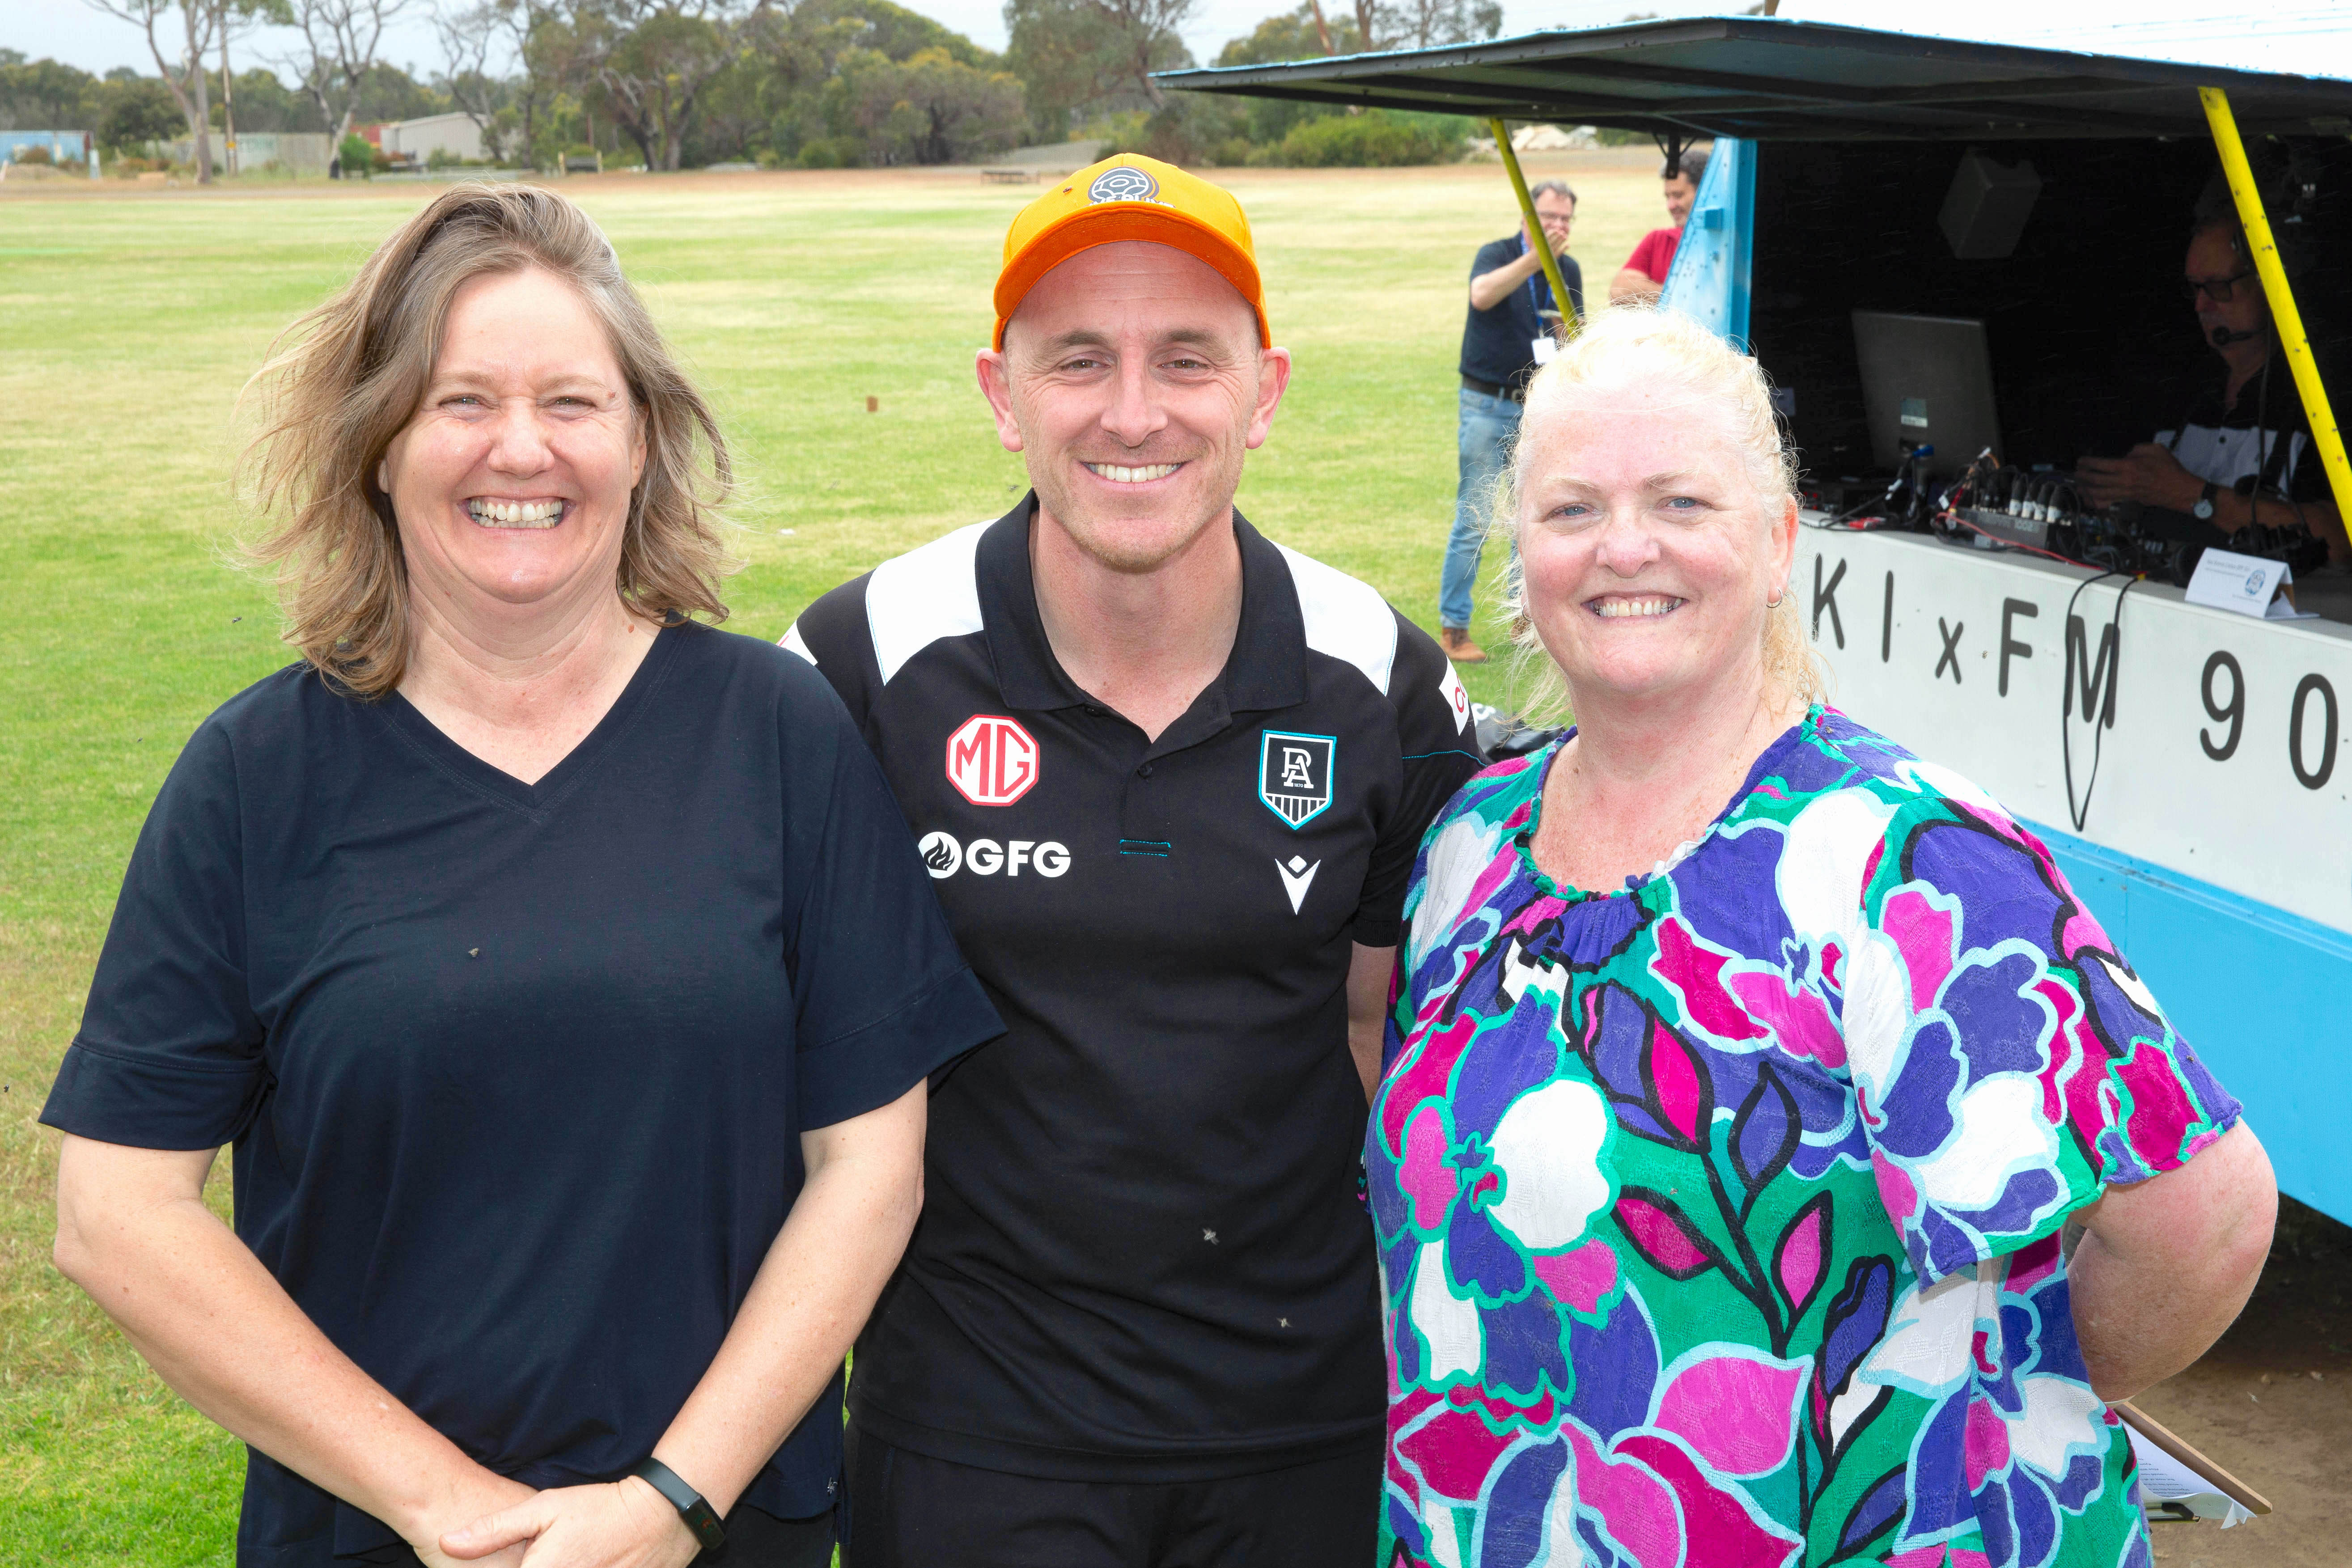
x,y
516,1073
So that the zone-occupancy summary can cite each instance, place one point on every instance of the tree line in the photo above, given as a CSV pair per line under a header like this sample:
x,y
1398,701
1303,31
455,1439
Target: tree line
x,y
685,83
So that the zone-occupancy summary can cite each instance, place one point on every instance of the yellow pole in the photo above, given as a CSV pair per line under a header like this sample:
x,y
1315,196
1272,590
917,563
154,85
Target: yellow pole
x,y
2284,315
1535,226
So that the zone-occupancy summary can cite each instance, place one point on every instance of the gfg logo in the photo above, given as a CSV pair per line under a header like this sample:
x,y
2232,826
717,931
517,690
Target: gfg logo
x,y
943,857
992,761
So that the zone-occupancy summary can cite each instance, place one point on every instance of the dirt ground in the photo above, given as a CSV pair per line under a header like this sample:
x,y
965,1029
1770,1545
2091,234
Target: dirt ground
x,y
2273,1405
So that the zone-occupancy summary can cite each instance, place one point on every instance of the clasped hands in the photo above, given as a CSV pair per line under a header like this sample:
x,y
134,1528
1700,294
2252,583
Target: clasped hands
x,y
2149,474
619,1524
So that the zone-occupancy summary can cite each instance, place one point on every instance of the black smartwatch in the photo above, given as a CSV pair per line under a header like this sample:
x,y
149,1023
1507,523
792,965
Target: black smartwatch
x,y
686,1500
2203,511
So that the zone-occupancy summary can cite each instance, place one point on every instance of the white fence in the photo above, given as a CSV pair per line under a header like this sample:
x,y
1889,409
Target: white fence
x,y
304,152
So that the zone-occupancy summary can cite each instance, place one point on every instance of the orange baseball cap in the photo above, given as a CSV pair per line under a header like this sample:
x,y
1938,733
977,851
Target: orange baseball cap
x,y
1129,196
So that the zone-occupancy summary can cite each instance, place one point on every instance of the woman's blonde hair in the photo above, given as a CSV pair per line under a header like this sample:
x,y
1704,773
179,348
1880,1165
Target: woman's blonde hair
x,y
1640,346
348,377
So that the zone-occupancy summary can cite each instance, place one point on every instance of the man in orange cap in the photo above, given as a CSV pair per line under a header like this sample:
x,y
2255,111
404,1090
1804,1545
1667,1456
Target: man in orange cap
x,y
1170,778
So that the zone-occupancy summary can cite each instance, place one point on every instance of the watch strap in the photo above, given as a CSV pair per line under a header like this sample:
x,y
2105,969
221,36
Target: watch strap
x,y
698,1514
2205,498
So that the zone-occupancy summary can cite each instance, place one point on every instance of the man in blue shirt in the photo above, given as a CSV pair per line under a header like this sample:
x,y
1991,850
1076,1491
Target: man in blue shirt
x,y
1511,312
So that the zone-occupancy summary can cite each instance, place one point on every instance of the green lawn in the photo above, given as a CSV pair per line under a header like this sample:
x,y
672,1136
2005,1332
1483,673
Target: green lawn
x,y
128,324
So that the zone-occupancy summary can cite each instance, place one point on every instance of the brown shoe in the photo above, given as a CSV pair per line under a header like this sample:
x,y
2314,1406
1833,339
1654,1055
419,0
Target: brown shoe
x,y
1456,641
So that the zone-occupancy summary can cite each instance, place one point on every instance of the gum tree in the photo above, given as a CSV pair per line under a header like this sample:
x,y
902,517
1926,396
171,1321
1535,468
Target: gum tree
x,y
341,39
202,26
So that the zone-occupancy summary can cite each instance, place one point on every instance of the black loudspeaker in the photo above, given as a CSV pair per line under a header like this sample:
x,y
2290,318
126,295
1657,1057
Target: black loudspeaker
x,y
1986,209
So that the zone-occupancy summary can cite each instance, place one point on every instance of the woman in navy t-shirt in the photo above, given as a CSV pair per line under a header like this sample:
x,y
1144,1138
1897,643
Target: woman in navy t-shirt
x,y
560,968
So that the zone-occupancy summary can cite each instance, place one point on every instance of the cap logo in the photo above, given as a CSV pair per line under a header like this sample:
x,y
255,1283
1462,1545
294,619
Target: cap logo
x,y
1123,184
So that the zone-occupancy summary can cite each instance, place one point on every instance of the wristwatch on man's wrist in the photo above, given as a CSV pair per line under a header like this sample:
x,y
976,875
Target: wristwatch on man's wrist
x,y
2203,511
699,1519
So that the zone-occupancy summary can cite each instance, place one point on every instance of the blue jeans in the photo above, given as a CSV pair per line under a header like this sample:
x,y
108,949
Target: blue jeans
x,y
1488,427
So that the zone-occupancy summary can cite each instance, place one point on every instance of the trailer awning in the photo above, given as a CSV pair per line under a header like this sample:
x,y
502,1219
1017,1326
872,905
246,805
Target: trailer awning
x,y
1769,78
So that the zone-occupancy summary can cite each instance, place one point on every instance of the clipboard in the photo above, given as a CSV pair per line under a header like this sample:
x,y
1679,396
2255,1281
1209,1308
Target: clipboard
x,y
2171,1443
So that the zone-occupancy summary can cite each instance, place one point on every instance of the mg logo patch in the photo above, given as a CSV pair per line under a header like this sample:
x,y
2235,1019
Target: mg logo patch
x,y
1122,183
1293,774
1457,700
992,761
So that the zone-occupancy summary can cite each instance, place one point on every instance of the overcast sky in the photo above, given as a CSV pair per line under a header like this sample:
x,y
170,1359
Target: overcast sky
x,y
79,34
2308,35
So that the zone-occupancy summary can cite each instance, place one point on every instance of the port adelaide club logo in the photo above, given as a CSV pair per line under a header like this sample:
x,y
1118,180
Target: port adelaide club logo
x,y
1122,183
1294,775
992,761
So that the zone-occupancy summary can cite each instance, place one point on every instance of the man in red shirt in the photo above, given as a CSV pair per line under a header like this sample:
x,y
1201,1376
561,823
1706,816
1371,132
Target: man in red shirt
x,y
1643,275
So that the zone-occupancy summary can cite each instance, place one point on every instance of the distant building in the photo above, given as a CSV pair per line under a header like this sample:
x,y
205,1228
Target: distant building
x,y
65,148
415,141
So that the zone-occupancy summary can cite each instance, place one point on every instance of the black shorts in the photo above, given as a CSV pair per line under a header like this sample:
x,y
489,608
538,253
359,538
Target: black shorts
x,y
754,1539
909,1511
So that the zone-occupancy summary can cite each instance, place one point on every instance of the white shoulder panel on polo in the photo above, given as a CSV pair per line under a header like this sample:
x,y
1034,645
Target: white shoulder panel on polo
x,y
1346,619
915,599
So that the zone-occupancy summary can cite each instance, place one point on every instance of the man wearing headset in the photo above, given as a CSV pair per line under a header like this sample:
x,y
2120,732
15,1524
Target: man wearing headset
x,y
2241,450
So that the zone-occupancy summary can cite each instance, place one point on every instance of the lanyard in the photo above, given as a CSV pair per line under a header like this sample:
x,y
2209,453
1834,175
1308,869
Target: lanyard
x,y
1536,301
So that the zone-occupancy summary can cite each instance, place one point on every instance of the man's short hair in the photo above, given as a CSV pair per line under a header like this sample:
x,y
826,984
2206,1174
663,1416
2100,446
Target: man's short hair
x,y
1691,165
1555,187
2216,209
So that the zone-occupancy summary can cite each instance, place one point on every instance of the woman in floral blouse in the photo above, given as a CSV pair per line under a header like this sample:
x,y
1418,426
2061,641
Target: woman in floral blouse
x,y
1723,1151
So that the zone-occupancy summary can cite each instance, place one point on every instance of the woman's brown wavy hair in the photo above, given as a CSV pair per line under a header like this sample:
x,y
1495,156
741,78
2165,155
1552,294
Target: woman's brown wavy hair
x,y
347,377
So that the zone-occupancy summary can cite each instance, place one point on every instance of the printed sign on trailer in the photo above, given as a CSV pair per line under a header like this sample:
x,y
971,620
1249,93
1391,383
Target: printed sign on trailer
x,y
2215,737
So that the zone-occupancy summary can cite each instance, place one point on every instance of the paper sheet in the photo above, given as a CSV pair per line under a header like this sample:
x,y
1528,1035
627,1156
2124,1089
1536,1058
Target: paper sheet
x,y
2163,1479
2246,585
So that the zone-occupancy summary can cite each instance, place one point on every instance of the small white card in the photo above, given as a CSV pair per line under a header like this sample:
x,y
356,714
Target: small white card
x,y
1545,347
2163,1479
2247,584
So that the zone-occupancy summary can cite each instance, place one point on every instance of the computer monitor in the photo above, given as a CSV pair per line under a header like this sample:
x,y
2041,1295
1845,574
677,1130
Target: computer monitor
x,y
1925,381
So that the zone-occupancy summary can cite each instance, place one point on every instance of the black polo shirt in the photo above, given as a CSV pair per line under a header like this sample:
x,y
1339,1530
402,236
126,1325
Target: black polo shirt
x,y
516,1074
1141,1255
1497,345
2261,441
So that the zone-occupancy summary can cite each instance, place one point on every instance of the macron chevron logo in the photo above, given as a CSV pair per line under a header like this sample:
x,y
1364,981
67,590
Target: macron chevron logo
x,y
1297,876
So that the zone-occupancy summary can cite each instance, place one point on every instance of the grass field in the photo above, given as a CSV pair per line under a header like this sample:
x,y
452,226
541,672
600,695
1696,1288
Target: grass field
x,y
128,324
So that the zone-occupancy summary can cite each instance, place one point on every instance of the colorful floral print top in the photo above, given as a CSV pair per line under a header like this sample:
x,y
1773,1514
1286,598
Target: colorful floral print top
x,y
1719,1217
